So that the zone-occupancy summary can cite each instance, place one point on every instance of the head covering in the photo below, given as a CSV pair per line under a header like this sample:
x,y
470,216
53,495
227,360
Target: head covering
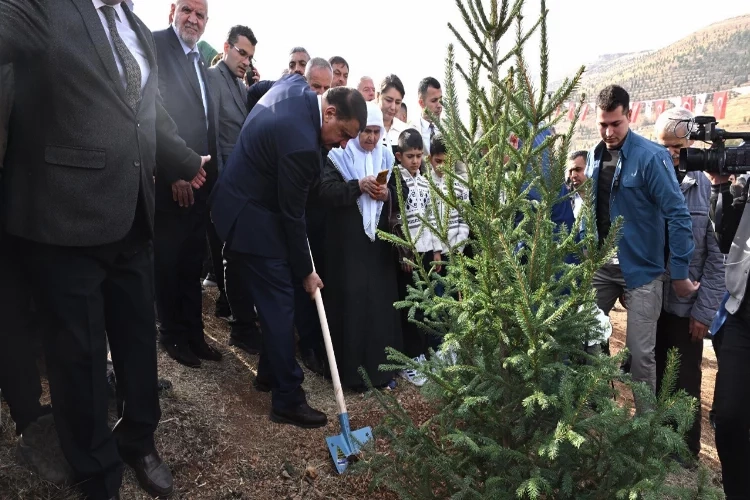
x,y
354,163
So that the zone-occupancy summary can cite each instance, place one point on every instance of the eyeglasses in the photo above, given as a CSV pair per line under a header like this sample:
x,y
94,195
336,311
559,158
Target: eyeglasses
x,y
244,55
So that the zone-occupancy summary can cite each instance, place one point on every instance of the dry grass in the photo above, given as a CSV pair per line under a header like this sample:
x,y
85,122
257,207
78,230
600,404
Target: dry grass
x,y
216,436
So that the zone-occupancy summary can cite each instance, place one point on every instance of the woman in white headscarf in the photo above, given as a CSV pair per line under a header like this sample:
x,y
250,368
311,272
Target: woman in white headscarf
x,y
361,284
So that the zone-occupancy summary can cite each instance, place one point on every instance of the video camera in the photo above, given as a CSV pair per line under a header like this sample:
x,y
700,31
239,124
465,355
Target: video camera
x,y
719,159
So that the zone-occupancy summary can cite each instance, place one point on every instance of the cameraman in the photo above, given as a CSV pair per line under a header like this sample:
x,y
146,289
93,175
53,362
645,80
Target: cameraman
x,y
731,396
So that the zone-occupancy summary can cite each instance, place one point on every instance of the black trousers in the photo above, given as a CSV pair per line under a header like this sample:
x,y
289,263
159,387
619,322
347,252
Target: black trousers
x,y
732,407
179,250
88,296
270,283
307,322
215,246
19,377
244,327
674,332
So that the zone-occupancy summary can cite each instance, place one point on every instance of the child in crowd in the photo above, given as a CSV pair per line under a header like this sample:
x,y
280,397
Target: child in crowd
x,y
418,204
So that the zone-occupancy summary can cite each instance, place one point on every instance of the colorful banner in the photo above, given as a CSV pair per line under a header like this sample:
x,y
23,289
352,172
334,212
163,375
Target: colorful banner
x,y
584,111
659,108
687,103
700,102
720,104
571,110
634,110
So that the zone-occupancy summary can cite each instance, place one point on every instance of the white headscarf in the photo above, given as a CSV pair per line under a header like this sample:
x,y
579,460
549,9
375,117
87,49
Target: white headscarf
x,y
355,163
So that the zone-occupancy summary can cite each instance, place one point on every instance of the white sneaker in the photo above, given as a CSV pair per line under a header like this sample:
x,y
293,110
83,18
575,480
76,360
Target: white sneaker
x,y
209,283
414,376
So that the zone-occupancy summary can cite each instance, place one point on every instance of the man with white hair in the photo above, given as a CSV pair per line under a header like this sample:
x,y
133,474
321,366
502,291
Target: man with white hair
x,y
366,87
319,75
684,321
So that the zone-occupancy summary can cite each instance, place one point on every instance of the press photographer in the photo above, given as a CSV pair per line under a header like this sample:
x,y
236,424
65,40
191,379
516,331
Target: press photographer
x,y
732,404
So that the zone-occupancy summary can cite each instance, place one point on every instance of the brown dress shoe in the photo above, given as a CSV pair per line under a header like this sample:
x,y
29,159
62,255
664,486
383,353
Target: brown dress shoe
x,y
153,475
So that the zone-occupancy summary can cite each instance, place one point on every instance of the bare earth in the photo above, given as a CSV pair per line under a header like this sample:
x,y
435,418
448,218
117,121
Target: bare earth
x,y
216,435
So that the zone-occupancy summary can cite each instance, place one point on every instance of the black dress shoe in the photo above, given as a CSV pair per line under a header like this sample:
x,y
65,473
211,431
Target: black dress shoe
x,y
204,351
261,385
181,353
153,475
313,362
301,416
250,347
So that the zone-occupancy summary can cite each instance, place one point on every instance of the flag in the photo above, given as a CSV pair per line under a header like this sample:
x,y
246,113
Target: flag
x,y
742,90
677,101
634,110
700,101
659,107
584,111
720,104
687,102
649,109
571,110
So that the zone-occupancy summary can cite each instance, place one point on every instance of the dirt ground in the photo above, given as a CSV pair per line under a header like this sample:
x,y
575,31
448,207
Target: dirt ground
x,y
217,438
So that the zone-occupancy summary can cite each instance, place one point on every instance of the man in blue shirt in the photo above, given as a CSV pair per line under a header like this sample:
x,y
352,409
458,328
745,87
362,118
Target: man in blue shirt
x,y
634,178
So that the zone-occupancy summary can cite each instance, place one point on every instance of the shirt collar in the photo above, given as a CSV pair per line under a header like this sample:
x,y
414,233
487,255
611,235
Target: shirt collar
x,y
320,105
187,49
98,4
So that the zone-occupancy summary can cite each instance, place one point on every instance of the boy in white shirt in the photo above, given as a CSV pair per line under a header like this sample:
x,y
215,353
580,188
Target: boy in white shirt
x,y
418,204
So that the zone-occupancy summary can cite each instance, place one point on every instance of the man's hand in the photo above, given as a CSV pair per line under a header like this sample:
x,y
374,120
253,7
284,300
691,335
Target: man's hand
x,y
717,179
182,193
200,177
437,257
312,284
256,75
685,288
406,267
698,330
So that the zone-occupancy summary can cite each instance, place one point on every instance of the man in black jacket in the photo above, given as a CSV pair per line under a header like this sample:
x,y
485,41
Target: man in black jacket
x,y
731,402
88,126
182,215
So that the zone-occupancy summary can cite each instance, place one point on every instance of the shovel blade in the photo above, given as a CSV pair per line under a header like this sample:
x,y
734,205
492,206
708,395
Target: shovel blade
x,y
345,448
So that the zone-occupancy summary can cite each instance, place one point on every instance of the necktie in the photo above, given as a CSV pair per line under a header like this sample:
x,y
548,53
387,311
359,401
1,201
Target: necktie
x,y
129,64
432,130
193,57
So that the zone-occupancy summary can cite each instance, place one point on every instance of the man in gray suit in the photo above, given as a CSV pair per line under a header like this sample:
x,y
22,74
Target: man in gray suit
x,y
230,100
87,127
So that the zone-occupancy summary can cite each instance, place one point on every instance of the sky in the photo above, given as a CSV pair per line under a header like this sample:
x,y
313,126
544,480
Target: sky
x,y
410,37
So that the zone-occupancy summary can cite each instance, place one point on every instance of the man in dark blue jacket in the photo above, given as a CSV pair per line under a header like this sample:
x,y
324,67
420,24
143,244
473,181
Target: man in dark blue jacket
x,y
634,178
258,208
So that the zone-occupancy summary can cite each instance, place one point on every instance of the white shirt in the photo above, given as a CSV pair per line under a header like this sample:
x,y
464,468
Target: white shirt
x,y
197,71
320,105
130,38
424,127
390,138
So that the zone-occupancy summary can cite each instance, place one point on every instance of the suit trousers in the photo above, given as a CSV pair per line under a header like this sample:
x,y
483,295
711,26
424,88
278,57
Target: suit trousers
x,y
244,327
89,295
733,404
179,250
674,332
19,377
269,282
217,267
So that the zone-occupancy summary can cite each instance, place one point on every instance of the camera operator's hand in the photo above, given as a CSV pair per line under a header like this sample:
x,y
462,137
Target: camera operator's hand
x,y
685,288
717,179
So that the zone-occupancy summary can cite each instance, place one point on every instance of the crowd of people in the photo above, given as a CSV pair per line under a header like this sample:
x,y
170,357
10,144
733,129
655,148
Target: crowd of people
x,y
128,188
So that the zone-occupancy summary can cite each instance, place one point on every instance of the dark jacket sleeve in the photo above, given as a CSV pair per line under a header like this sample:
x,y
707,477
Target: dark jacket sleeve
x,y
23,29
726,212
297,171
256,91
334,191
6,103
175,160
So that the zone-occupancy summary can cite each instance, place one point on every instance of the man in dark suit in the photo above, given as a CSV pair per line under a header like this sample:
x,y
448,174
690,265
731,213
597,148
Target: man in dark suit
x,y
258,207
181,215
229,93
87,127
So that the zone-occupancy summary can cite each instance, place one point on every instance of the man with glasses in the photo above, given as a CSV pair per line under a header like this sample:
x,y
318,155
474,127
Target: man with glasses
x,y
230,100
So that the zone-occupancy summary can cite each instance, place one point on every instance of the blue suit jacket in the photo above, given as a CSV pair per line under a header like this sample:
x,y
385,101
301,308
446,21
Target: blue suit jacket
x,y
258,204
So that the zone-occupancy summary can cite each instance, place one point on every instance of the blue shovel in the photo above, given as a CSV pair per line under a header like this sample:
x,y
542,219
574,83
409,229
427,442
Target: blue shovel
x,y
344,447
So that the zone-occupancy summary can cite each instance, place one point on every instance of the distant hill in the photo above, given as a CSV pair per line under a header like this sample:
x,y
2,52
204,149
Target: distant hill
x,y
714,58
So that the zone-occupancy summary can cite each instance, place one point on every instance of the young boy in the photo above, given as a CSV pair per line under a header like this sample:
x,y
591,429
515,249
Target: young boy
x,y
458,229
409,157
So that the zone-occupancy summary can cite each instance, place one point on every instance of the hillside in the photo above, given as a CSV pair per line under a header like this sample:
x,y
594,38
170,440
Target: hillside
x,y
714,58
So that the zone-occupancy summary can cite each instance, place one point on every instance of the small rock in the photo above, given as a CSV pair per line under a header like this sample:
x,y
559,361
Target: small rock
x,y
285,474
311,472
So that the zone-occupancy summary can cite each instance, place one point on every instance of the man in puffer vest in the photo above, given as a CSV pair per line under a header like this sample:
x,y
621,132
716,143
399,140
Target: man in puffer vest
x,y
684,321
